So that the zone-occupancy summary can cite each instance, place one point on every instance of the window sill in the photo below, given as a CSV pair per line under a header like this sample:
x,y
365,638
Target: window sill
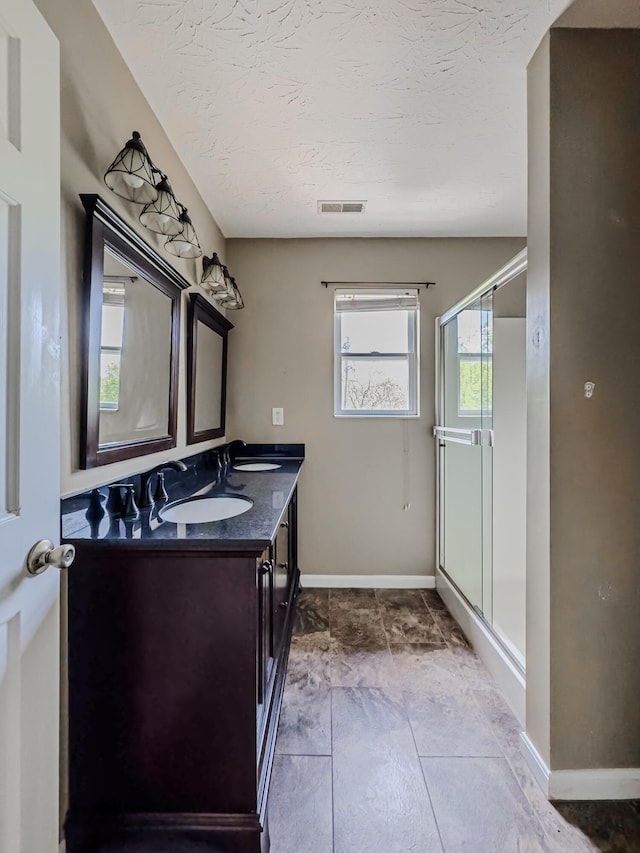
x,y
377,415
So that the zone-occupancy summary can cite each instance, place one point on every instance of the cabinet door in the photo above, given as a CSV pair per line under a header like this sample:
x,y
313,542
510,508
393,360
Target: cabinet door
x,y
293,542
281,564
265,661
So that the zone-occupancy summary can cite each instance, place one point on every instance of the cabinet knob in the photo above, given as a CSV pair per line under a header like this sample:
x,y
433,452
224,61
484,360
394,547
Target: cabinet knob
x,y
265,567
283,566
285,524
283,605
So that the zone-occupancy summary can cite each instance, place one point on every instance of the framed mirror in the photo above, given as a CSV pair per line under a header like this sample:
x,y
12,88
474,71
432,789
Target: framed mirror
x,y
130,342
207,331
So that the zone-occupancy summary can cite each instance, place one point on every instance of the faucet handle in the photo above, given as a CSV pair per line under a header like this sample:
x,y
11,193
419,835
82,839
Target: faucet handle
x,y
160,493
115,502
95,511
130,508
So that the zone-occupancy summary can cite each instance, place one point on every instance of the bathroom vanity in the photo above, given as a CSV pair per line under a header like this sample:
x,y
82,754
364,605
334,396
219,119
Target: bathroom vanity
x,y
178,642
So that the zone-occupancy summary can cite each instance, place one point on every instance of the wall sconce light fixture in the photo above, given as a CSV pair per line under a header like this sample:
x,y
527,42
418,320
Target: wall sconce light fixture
x,y
134,176
217,281
213,278
162,215
185,244
131,174
233,300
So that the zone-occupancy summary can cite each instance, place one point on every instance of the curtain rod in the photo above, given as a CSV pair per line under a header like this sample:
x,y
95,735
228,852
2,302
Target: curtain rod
x,y
426,284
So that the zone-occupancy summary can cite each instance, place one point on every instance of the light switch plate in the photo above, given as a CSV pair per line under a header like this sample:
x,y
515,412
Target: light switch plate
x,y
277,417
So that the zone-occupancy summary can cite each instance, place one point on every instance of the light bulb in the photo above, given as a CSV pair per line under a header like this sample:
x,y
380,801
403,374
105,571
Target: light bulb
x,y
134,181
155,221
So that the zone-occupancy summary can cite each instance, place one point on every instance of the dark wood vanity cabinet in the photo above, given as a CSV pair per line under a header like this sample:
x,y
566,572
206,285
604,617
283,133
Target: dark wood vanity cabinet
x,y
177,661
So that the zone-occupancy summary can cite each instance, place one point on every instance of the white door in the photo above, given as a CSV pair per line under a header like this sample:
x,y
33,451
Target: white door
x,y
29,427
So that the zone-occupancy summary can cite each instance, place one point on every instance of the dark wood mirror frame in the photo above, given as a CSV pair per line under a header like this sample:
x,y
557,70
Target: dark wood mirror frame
x,y
201,311
106,230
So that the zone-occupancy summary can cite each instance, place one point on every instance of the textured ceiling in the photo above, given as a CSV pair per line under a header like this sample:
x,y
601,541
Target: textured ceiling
x,y
417,106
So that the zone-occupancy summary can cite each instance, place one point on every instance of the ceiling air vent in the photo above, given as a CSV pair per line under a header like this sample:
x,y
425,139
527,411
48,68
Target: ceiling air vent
x,y
341,207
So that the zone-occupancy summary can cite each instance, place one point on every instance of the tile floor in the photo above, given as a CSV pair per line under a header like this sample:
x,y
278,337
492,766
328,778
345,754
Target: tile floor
x,y
394,739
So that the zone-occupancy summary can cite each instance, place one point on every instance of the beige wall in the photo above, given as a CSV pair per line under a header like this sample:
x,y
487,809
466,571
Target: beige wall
x,y
611,14
538,547
583,313
355,481
100,106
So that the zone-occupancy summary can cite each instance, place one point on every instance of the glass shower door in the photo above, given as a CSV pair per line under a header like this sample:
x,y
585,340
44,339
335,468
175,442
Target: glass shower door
x,y
465,452
482,453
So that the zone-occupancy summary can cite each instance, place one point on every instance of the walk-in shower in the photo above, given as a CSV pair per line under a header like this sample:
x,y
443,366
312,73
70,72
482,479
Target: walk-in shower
x,y
481,444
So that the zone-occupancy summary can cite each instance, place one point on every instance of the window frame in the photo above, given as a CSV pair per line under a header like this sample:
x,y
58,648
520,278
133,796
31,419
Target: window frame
x,y
412,357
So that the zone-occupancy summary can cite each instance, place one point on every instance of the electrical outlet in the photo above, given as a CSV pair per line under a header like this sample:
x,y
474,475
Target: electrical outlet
x,y
277,417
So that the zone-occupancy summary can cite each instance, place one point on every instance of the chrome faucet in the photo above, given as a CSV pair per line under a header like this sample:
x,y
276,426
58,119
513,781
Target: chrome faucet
x,y
145,499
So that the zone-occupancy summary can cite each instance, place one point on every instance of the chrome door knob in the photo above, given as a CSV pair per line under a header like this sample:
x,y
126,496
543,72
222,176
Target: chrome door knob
x,y
43,555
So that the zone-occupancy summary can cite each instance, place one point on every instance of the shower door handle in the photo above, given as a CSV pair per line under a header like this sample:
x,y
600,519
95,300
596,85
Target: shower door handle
x,y
470,437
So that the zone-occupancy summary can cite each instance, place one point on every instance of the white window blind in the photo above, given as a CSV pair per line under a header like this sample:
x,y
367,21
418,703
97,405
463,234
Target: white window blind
x,y
376,300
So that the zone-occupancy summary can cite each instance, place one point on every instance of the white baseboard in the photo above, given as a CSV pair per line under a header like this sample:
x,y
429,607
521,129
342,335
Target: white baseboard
x,y
535,763
368,581
610,783
508,675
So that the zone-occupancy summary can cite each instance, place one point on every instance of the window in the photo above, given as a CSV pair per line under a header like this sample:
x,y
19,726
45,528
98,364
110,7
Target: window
x,y
376,353
475,363
111,345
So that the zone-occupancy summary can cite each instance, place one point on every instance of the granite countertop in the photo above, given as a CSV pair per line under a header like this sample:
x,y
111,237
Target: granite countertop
x,y
85,522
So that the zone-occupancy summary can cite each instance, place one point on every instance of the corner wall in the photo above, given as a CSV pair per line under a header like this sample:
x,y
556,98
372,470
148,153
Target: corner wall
x,y
358,473
538,474
584,257
101,105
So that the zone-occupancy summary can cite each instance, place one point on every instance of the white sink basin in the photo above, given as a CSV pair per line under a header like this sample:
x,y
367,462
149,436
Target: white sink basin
x,y
202,510
256,466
